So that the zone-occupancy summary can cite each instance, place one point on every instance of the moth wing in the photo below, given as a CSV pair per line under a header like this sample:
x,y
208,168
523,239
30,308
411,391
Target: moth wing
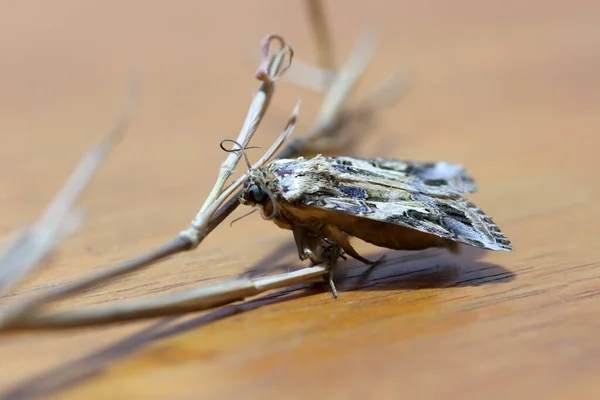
x,y
384,223
377,199
430,177
299,176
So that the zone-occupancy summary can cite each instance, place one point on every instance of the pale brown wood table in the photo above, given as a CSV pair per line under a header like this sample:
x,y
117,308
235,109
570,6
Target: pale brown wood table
x,y
510,90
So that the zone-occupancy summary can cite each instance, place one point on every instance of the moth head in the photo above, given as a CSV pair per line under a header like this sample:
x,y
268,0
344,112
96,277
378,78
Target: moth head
x,y
256,192
253,193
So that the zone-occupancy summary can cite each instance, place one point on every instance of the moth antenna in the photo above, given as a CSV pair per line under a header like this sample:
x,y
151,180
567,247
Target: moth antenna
x,y
241,148
243,216
273,201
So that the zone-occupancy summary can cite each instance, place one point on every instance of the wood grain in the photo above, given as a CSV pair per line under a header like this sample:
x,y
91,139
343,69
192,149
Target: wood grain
x,y
509,89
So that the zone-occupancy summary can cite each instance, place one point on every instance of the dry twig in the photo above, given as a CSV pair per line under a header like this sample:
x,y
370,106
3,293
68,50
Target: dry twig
x,y
270,70
333,120
193,300
29,246
320,28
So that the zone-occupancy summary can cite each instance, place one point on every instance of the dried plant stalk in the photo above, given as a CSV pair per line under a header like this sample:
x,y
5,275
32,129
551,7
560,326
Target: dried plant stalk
x,y
268,72
333,118
28,247
322,34
346,80
199,224
193,300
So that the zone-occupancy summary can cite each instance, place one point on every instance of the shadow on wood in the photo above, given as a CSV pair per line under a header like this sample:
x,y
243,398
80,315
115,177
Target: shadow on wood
x,y
399,271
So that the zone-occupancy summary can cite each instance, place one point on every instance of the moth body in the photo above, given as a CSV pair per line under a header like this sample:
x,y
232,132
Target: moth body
x,y
401,205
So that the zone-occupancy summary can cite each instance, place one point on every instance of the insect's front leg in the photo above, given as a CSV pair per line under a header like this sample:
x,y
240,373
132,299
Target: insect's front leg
x,y
314,247
318,250
300,239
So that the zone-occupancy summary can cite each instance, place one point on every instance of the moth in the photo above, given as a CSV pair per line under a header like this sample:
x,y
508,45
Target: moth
x,y
400,205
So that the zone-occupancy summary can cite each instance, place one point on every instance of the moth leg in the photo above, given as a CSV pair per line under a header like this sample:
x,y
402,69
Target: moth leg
x,y
331,252
315,247
334,234
319,250
300,239
341,253
330,281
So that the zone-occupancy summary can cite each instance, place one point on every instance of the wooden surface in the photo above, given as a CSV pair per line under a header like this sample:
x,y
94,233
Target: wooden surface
x,y
509,89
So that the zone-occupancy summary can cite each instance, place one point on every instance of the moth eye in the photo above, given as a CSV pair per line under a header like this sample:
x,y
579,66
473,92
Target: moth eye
x,y
256,193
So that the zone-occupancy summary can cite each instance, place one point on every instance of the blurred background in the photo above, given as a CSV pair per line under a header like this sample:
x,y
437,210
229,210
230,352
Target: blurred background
x,y
484,77
509,89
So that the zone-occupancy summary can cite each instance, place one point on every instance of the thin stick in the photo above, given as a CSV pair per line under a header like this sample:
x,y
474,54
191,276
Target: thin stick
x,y
388,92
326,132
199,225
355,119
269,70
180,243
31,245
174,304
20,309
346,80
210,216
322,37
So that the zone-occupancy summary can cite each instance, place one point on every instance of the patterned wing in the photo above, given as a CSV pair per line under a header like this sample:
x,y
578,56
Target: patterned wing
x,y
367,198
455,219
439,177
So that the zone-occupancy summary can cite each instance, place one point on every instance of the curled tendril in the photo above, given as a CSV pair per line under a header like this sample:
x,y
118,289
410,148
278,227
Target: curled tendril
x,y
272,68
241,148
273,201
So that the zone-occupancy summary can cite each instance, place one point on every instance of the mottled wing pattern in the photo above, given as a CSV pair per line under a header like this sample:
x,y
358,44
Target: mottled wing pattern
x,y
439,174
421,196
